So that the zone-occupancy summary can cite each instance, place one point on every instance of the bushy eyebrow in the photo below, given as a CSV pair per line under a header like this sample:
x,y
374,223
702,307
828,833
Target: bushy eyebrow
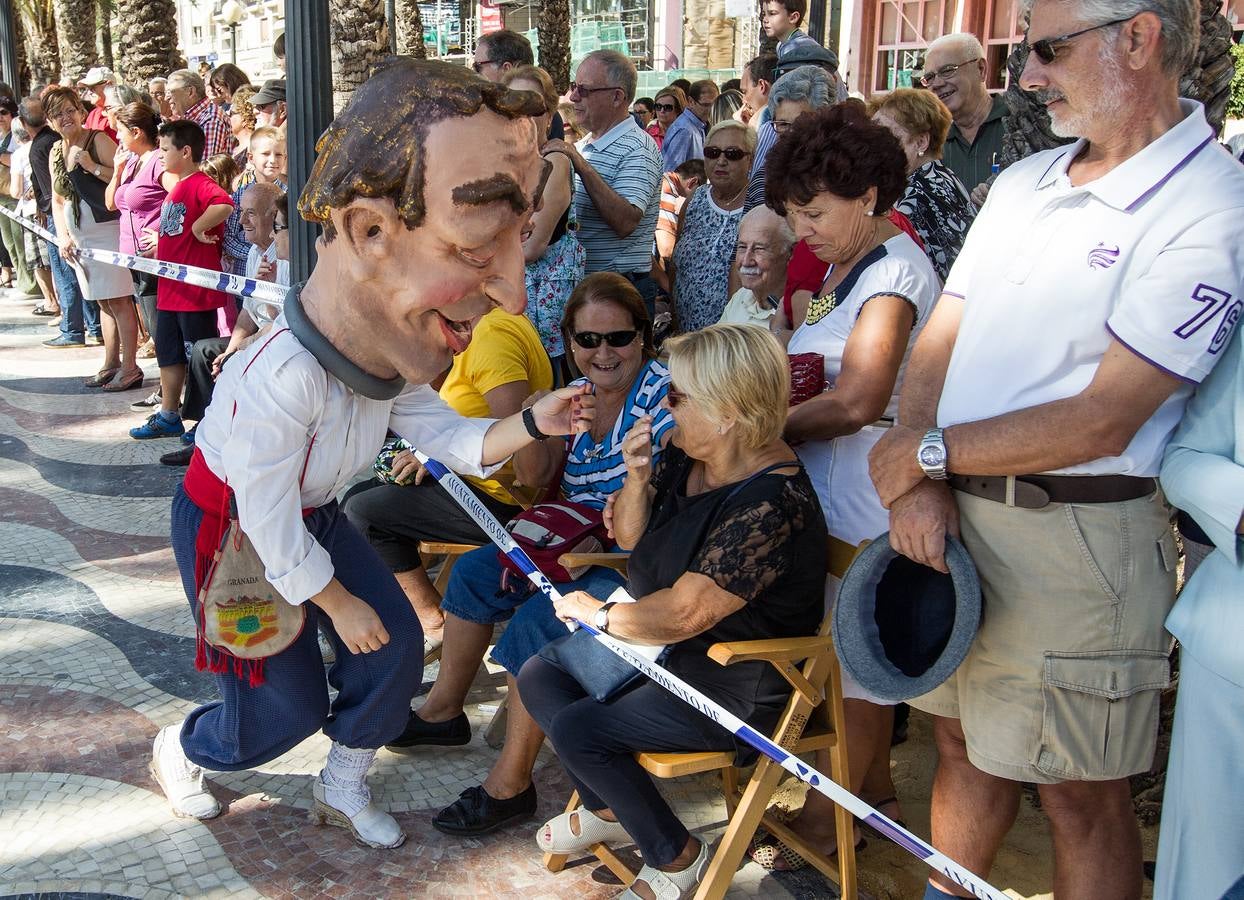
x,y
495,189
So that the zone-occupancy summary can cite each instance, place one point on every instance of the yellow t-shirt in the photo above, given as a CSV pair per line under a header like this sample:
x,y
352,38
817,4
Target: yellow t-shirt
x,y
504,348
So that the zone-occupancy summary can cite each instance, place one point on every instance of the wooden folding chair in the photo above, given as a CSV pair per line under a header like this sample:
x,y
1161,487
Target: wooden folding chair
x,y
811,721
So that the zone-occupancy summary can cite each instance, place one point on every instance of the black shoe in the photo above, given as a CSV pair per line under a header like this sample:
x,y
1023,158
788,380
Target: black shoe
x,y
418,733
177,457
475,812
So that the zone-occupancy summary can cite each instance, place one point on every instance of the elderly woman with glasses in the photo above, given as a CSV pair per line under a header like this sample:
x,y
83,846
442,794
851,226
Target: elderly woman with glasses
x,y
610,336
728,544
667,107
709,227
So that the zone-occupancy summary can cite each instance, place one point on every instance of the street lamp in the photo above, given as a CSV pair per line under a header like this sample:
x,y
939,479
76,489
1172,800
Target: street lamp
x,y
233,13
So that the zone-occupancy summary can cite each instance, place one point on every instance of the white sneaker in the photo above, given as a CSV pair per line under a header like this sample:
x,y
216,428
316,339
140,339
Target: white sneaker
x,y
181,780
348,808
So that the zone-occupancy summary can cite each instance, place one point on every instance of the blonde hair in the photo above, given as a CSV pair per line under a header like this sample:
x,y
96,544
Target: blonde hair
x,y
746,135
222,169
917,112
540,77
735,371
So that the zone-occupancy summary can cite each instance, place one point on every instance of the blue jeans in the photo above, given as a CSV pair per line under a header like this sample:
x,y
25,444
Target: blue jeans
x,y
78,316
474,594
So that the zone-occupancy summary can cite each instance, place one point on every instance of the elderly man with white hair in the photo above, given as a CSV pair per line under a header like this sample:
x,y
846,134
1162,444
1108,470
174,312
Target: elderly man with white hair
x,y
954,70
761,254
1100,284
187,98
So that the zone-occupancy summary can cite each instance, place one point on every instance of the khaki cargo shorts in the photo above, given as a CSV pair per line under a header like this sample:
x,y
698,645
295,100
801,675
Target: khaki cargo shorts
x,y
1062,681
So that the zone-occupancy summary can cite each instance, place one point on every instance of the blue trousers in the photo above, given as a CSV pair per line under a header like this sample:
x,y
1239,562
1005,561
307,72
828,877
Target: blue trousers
x,y
78,316
597,742
249,726
474,594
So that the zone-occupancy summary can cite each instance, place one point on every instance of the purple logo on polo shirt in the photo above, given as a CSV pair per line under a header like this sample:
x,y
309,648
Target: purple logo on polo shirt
x,y
1103,257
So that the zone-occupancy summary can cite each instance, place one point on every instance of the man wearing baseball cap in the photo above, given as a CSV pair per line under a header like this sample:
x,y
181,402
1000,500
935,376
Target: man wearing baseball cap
x,y
269,103
96,80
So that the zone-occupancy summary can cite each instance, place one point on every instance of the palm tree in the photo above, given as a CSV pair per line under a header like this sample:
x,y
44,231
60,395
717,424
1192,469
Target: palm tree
x,y
553,31
147,36
1207,79
359,40
75,34
409,27
38,25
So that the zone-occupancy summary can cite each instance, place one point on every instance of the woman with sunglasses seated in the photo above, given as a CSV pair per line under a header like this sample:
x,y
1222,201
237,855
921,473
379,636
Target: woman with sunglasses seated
x,y
729,544
710,227
610,335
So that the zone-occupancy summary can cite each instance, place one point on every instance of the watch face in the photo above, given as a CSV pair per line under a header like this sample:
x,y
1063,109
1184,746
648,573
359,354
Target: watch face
x,y
932,456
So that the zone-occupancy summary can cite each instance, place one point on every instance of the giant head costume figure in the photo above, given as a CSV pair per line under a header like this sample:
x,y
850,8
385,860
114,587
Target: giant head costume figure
x,y
424,185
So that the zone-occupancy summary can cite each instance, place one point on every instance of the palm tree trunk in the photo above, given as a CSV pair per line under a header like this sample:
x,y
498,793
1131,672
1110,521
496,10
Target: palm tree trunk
x,y
75,34
410,29
360,40
38,24
553,30
147,34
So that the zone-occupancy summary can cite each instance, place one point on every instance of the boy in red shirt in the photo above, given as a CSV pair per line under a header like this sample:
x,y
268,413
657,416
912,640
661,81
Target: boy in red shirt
x,y
192,222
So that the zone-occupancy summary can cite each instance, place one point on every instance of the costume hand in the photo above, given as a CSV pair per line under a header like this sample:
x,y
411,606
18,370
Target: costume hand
x,y
577,605
355,622
567,411
892,463
637,451
406,469
920,521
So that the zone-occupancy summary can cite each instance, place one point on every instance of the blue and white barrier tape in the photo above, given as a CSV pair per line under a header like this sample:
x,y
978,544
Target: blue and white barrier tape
x,y
262,291
693,697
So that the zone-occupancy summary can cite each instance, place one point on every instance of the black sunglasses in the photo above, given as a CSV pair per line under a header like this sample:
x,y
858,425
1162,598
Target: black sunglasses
x,y
734,154
673,396
1047,48
590,340
664,107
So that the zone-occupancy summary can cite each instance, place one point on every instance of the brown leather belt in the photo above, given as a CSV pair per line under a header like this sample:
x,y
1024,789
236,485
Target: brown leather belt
x,y
1039,491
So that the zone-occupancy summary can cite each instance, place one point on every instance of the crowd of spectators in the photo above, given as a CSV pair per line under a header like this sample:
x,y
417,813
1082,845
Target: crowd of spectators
x,y
686,247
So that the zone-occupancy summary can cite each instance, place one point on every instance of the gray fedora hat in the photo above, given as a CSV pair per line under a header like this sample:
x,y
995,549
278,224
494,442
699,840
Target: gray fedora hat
x,y
901,628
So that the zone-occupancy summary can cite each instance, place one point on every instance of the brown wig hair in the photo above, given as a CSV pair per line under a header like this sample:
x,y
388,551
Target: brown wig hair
x,y
836,150
374,148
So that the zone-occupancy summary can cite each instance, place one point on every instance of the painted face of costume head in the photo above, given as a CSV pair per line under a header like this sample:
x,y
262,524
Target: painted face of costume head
x,y
424,185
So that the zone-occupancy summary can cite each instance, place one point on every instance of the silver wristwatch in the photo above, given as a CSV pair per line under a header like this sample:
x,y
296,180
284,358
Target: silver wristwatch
x,y
600,620
932,455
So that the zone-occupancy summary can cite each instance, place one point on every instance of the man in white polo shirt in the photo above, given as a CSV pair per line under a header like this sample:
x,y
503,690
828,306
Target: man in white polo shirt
x,y
1100,284
617,172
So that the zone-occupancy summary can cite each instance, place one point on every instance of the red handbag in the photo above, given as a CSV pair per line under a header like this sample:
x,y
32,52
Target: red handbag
x,y
807,376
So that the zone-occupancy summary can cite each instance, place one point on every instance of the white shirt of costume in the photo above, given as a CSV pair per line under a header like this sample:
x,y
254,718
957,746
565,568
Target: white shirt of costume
x,y
284,400
1151,255
839,467
745,309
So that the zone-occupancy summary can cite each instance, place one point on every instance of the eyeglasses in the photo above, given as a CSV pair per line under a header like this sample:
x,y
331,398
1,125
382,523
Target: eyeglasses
x,y
781,127
590,340
944,73
673,396
583,90
479,64
734,154
664,107
1047,48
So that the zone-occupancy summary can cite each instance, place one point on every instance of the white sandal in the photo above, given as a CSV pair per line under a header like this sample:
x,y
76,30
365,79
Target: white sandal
x,y
592,830
670,885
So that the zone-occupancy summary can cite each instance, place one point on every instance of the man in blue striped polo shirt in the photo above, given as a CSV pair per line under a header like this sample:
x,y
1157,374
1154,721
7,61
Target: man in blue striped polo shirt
x,y
617,172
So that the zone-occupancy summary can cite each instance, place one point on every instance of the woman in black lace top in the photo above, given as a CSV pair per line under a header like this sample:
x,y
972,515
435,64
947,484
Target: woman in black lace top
x,y
936,201
729,544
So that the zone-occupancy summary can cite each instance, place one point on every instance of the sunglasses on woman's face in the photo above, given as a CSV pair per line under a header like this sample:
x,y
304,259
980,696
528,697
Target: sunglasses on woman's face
x,y
590,340
664,107
734,154
673,396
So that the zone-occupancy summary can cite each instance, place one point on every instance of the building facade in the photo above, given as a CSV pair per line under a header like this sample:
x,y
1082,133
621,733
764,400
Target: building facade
x,y
204,36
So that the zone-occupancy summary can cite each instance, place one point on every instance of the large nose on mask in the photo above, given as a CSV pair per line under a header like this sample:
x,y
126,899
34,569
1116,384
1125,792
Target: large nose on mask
x,y
507,287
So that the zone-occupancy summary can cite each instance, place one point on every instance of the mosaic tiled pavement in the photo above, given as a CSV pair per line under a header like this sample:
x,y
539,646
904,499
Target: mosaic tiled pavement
x,y
96,650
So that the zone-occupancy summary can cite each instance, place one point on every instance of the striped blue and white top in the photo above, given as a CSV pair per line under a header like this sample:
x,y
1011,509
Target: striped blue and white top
x,y
627,158
594,470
